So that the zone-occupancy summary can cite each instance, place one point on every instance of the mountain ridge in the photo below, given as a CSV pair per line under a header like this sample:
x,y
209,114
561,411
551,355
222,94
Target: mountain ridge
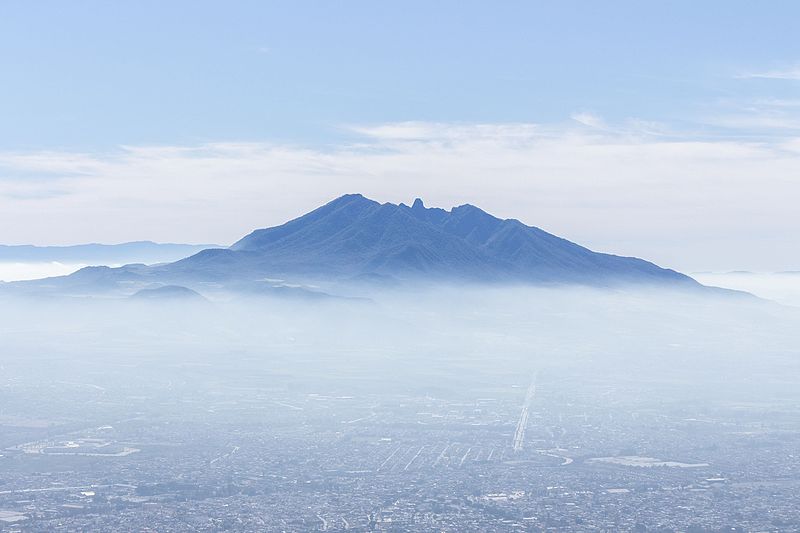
x,y
465,242
354,238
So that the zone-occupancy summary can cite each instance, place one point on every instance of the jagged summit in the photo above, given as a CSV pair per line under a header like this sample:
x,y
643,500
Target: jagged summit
x,y
354,235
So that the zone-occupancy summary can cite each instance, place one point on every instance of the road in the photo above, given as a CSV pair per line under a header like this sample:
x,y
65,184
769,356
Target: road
x,y
522,423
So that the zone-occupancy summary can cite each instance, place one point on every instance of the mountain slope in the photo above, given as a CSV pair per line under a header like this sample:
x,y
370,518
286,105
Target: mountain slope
x,y
353,235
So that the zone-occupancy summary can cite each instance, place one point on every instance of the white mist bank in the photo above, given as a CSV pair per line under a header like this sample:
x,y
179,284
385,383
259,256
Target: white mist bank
x,y
435,339
14,271
781,287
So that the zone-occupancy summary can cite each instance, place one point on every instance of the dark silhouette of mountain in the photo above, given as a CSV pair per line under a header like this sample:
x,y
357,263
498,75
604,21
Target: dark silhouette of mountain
x,y
356,239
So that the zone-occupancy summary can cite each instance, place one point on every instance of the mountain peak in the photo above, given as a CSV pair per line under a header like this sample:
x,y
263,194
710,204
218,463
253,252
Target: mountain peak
x,y
468,208
353,236
345,199
351,196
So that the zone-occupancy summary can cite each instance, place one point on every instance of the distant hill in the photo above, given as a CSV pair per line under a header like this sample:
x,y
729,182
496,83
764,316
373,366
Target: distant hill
x,y
355,239
101,254
167,292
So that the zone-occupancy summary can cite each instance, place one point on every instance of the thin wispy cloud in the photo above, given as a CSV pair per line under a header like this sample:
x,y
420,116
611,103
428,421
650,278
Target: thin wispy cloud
x,y
757,122
631,126
590,119
778,102
755,117
430,131
789,73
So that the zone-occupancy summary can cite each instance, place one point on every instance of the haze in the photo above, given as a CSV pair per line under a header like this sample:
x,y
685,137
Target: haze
x,y
479,266
397,407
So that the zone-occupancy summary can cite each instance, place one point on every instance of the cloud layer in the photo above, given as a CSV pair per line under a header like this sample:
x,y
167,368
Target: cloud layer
x,y
631,189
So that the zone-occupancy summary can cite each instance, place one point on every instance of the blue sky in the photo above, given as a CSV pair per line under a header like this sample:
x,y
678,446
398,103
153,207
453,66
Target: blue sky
x,y
98,74
668,130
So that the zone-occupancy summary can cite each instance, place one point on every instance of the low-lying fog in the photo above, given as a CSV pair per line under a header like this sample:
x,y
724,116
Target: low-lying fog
x,y
415,340
781,287
438,409
18,271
